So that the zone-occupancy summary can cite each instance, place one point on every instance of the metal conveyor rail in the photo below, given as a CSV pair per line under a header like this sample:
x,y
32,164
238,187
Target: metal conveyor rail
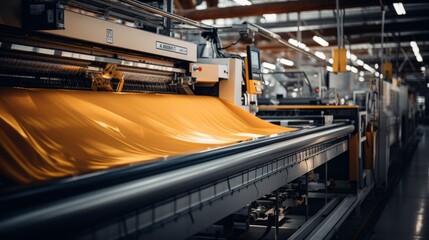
x,y
182,201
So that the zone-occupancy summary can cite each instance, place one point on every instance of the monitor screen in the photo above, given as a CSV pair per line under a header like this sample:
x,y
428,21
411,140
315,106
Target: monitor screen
x,y
255,59
360,99
253,63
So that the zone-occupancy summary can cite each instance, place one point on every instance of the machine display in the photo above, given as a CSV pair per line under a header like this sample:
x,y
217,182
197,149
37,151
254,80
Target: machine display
x,y
253,71
254,63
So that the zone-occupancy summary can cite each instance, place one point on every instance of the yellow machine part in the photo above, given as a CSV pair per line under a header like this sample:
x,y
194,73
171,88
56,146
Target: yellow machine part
x,y
387,69
339,55
253,86
45,134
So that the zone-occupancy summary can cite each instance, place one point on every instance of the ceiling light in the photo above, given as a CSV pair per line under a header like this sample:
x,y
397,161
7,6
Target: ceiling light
x,y
419,58
293,42
299,44
202,6
361,79
348,68
416,51
427,85
399,8
376,66
322,42
302,45
361,73
377,74
208,22
243,2
331,61
422,69
220,21
359,62
368,68
264,70
286,62
269,66
414,46
320,55
353,57
354,69
270,17
329,69
348,54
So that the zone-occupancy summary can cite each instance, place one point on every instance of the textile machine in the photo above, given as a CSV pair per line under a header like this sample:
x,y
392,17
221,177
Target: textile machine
x,y
111,129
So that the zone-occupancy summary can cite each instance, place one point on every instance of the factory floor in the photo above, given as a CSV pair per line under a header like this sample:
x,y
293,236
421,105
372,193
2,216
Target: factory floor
x,y
406,215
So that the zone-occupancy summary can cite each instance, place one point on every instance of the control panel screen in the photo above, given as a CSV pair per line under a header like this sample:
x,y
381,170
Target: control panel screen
x,y
254,63
255,59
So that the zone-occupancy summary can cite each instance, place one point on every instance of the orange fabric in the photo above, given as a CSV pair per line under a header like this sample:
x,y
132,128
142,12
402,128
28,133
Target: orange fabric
x,y
46,134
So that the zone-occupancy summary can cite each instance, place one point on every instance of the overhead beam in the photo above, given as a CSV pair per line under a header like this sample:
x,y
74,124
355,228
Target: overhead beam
x,y
177,5
281,48
370,28
187,4
353,34
277,7
352,20
212,3
356,30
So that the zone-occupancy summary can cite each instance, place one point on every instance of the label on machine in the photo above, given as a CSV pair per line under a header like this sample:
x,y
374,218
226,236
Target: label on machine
x,y
109,36
171,48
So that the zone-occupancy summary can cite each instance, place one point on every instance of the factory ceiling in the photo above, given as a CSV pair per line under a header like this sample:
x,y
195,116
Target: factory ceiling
x,y
302,19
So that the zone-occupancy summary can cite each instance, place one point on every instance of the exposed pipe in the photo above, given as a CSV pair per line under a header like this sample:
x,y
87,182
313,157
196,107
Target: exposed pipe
x,y
277,7
178,18
299,37
380,102
277,214
273,36
338,23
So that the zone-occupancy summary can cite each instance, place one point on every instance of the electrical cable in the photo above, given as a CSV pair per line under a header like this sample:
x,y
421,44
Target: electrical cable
x,y
243,35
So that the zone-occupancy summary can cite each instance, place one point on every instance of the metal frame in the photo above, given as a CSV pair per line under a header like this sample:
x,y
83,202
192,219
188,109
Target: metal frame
x,y
175,17
275,37
186,214
331,223
314,221
87,57
181,201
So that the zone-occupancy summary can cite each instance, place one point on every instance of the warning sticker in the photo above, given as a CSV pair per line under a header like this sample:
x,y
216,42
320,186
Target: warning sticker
x,y
109,36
